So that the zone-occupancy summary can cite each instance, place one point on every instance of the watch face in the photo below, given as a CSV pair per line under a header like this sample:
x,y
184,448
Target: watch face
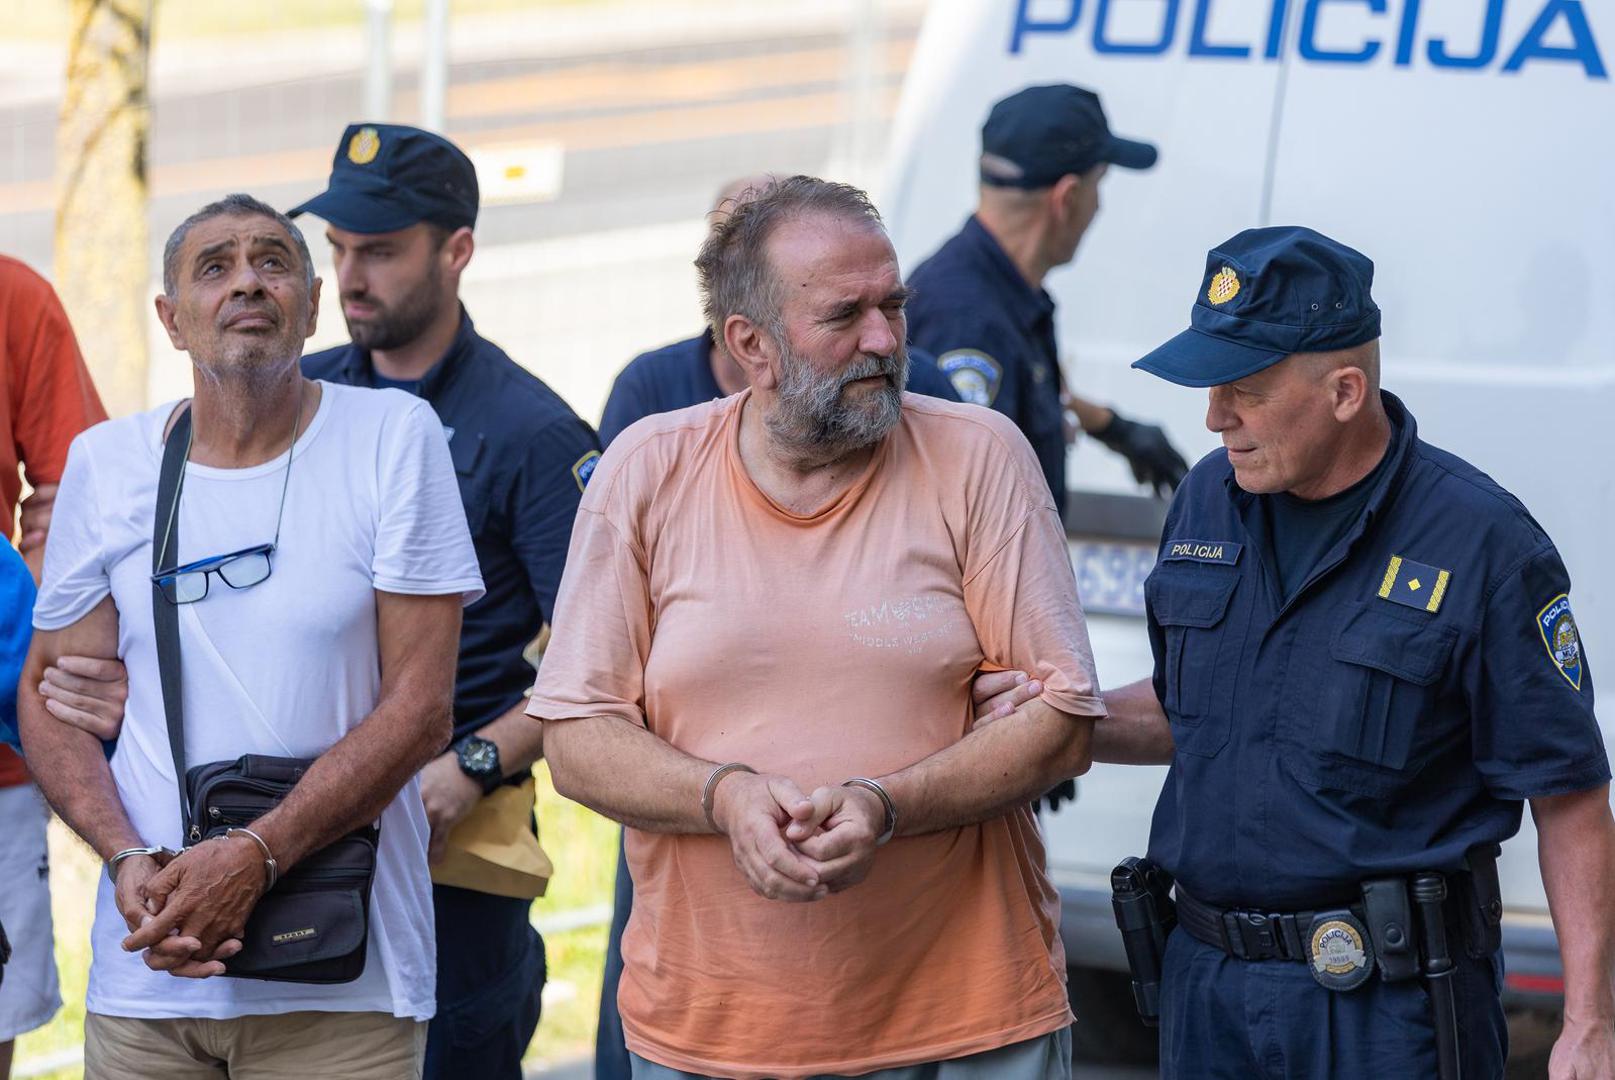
x,y
480,755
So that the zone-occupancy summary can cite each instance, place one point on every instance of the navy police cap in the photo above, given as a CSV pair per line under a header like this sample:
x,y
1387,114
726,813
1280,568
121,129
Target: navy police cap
x,y
1267,293
386,177
1034,137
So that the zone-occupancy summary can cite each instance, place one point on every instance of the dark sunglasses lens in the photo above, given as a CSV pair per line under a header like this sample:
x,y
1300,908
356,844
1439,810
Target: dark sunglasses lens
x,y
247,570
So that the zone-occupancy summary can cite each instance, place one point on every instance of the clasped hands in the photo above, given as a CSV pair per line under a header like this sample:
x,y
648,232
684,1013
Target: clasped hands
x,y
797,847
187,913
801,848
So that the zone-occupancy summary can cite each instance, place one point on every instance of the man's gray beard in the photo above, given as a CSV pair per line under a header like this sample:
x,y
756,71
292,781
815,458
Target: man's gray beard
x,y
810,417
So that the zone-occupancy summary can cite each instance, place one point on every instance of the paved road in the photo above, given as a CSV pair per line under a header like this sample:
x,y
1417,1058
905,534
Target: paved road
x,y
645,134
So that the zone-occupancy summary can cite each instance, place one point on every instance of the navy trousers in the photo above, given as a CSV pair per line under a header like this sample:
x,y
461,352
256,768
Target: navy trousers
x,y
1229,1019
490,980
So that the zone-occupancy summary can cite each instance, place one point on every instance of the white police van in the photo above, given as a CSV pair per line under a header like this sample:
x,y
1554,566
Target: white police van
x,y
1467,146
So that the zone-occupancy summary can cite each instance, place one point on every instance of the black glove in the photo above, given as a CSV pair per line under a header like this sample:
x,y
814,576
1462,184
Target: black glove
x,y
1064,791
1155,463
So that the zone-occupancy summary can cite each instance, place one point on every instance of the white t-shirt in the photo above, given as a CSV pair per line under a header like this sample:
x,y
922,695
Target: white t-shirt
x,y
286,667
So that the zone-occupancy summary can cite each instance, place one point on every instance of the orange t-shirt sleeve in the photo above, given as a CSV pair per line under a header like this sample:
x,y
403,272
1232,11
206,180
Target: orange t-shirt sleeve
x,y
600,638
1020,590
52,397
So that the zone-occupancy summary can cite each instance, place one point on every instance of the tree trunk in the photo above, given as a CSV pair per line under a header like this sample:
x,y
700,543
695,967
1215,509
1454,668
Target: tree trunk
x,y
102,271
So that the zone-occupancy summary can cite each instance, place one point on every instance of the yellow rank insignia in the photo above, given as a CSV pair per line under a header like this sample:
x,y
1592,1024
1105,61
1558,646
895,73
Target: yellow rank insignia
x,y
364,146
1224,286
1414,584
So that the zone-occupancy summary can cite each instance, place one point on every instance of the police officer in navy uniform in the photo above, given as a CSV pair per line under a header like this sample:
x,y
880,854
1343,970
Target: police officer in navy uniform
x,y
400,207
979,304
1366,663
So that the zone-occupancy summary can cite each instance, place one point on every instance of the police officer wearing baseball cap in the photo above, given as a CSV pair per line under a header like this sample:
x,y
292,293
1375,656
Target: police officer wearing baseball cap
x,y
400,208
979,304
1366,664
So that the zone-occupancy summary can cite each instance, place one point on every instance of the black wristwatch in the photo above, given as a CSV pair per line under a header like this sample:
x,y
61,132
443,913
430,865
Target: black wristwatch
x,y
479,759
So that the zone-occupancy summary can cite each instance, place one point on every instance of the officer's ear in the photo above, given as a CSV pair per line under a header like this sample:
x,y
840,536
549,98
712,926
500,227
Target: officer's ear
x,y
1348,391
1063,196
751,346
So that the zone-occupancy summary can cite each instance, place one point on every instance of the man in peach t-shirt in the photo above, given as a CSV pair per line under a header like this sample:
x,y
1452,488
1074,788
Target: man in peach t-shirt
x,y
775,593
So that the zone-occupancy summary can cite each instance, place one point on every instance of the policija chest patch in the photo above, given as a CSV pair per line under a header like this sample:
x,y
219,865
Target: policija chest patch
x,y
1414,584
975,375
1208,551
1559,634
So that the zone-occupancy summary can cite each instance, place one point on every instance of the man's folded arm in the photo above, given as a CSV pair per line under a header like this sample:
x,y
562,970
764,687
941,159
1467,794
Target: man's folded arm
x,y
996,768
350,784
70,765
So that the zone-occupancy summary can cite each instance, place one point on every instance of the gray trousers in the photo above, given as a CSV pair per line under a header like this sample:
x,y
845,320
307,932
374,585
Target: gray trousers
x,y
1047,1057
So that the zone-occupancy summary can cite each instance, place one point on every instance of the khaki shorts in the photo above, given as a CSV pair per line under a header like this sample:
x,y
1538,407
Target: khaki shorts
x,y
288,1046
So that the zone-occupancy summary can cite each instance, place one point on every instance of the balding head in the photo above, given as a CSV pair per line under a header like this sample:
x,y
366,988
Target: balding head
x,y
736,192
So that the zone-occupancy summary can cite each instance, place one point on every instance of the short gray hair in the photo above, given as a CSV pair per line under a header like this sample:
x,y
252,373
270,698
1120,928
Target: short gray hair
x,y
237,205
733,267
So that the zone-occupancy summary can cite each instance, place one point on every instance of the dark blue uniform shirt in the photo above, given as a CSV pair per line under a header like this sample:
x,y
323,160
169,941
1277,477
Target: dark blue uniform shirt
x,y
992,333
1423,681
679,375
522,457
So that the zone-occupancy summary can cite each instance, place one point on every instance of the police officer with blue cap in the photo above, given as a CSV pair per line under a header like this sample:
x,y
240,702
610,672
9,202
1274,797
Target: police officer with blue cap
x,y
400,208
1366,664
979,304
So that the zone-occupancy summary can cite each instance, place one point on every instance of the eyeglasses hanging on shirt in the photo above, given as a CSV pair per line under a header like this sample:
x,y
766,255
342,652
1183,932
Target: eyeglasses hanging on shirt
x,y
238,569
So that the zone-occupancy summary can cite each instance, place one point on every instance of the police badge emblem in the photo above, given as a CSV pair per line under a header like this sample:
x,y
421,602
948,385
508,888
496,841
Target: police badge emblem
x,y
1339,953
975,375
1558,629
1224,286
364,146
583,468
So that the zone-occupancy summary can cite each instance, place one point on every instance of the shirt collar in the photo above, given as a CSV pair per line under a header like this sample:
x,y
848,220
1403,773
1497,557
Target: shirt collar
x,y
1029,304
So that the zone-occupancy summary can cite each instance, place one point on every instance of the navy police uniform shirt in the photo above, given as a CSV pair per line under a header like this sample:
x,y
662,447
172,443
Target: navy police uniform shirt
x,y
522,457
992,333
679,375
1424,679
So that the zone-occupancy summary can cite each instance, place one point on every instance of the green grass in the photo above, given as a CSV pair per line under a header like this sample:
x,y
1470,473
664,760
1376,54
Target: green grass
x,y
173,19
581,844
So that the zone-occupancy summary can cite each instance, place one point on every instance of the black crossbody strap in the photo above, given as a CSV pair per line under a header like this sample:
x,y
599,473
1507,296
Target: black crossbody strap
x,y
165,534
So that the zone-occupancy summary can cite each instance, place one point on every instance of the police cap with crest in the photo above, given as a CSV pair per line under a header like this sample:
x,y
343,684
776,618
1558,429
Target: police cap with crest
x,y
1267,293
386,177
1034,137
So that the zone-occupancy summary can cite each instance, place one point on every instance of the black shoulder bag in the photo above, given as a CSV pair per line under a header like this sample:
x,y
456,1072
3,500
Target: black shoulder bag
x,y
313,924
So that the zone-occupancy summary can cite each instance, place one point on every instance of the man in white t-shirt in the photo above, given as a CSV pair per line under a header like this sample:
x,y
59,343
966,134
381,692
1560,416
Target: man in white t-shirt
x,y
344,653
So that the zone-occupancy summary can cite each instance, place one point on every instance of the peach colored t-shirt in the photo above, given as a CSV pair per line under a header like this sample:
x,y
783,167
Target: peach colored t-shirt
x,y
837,644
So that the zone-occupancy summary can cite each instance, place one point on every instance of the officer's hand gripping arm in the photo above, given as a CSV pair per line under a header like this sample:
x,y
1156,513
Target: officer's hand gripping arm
x,y
1154,461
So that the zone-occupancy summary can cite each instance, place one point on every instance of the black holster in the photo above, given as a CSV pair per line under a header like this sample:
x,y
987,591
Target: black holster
x,y
1141,894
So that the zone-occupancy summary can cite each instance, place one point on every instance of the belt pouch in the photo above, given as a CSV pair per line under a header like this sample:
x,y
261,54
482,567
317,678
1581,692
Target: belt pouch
x,y
1389,916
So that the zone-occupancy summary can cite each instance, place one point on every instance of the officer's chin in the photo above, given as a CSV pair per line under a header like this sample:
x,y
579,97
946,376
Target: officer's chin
x,y
1250,476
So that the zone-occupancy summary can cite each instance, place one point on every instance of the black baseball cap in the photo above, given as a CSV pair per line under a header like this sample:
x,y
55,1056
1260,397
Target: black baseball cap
x,y
1267,293
1037,135
386,177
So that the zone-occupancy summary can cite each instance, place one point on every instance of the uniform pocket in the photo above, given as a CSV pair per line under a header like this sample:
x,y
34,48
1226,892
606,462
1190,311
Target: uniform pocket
x,y
1387,669
1202,652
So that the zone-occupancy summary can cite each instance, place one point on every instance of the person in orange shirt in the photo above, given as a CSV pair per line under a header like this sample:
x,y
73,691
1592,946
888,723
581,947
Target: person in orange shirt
x,y
46,398
761,662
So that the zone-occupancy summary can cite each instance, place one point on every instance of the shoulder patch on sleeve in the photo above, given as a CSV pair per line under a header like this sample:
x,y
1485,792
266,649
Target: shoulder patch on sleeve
x,y
1558,629
583,468
975,376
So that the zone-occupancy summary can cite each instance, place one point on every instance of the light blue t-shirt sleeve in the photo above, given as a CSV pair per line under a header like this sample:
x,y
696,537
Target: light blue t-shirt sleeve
x,y
16,628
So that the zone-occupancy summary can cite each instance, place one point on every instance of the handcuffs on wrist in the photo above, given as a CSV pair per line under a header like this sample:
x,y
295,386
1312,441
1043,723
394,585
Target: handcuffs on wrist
x,y
129,853
885,802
